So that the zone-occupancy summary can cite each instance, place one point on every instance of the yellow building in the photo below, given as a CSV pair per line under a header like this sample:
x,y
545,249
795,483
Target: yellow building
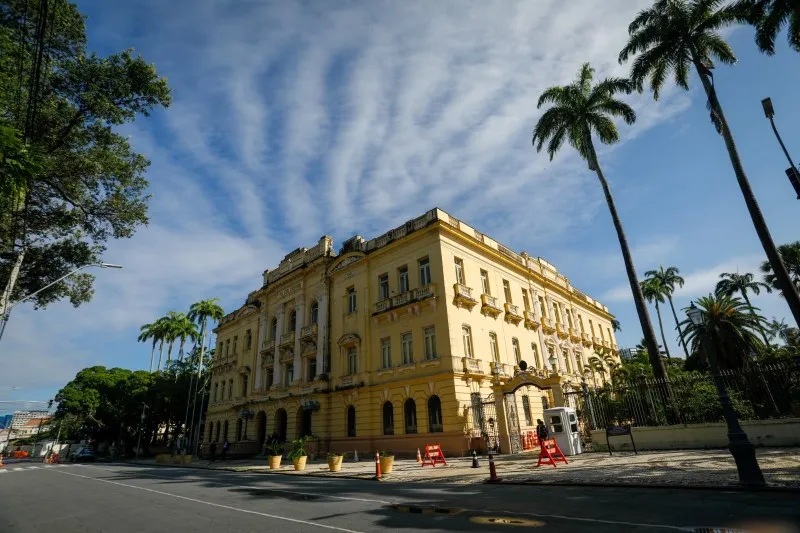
x,y
430,333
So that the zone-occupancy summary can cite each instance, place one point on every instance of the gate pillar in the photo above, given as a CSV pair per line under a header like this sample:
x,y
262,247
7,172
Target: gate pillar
x,y
502,422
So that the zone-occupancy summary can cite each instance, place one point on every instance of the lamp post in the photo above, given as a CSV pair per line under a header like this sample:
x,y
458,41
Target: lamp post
x,y
141,429
553,362
6,313
742,450
792,173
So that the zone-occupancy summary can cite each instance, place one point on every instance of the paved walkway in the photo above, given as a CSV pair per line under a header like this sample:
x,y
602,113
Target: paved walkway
x,y
690,468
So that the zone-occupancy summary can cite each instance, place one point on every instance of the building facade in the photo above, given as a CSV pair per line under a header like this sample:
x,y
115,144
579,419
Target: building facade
x,y
430,333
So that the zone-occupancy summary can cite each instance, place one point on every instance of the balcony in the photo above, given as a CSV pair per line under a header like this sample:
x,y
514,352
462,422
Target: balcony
x,y
597,342
426,291
501,369
607,345
490,305
268,345
309,333
287,357
405,298
561,331
346,381
463,297
548,326
587,340
614,347
268,360
513,314
530,320
383,305
472,365
287,340
574,335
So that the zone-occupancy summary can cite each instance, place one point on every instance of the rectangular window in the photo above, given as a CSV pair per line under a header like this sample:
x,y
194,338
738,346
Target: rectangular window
x,y
543,307
526,301
230,389
269,378
408,348
591,327
383,286
565,354
402,279
557,311
248,340
289,375
517,354
312,369
485,282
430,343
219,349
386,353
244,386
507,291
477,410
235,342
351,361
609,334
580,321
351,299
459,271
216,391
466,335
227,347
526,408
493,348
535,350
424,272
222,392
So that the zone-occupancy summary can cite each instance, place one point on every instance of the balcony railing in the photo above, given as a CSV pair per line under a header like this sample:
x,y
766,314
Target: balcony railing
x,y
405,298
345,381
490,305
472,365
287,339
426,291
597,342
464,296
309,332
268,345
383,305
607,345
547,325
561,331
402,298
269,360
501,369
512,313
574,334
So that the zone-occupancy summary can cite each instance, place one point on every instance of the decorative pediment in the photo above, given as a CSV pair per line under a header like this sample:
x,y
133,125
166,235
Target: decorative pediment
x,y
346,261
249,309
349,339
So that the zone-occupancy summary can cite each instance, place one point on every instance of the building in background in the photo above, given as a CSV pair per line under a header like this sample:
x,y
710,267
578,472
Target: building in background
x,y
430,333
5,421
20,418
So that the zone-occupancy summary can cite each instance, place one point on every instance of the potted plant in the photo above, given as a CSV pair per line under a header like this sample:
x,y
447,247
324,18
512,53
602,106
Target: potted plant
x,y
274,451
298,455
387,462
335,461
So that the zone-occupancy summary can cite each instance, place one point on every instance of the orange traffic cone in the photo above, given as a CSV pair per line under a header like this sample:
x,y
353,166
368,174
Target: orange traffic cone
x,y
1,461
419,457
492,471
377,465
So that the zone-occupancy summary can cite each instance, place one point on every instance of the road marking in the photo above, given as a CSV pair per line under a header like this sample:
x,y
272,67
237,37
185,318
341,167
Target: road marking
x,y
18,468
594,520
3,470
32,467
212,504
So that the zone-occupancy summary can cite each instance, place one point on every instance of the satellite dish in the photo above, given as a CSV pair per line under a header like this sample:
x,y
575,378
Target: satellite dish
x,y
523,366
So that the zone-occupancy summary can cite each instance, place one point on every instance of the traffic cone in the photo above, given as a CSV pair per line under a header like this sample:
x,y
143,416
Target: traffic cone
x,y
1,461
377,465
475,460
419,457
355,456
492,471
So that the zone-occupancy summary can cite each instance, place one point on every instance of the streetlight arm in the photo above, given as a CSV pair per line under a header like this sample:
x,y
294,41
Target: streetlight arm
x,y
62,278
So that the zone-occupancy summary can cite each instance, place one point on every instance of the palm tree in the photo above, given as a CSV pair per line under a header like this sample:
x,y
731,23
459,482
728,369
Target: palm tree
x,y
670,278
160,332
674,35
653,292
183,329
203,311
730,284
768,17
149,332
596,365
170,331
615,325
779,330
790,253
581,109
729,329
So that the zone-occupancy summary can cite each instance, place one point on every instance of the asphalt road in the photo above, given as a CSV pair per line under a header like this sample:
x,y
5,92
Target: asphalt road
x,y
139,499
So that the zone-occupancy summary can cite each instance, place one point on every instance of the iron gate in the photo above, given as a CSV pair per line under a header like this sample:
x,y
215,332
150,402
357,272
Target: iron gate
x,y
484,416
512,422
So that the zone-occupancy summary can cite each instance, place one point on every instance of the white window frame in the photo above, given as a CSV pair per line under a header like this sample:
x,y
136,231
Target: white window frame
x,y
383,287
407,347
424,267
466,336
352,301
352,361
459,266
494,349
429,334
386,353
402,279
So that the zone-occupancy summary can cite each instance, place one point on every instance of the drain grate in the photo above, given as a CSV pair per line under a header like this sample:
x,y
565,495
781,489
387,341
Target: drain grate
x,y
506,521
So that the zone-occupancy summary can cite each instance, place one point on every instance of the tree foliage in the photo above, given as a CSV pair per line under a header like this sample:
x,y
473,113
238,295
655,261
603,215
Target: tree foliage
x,y
790,253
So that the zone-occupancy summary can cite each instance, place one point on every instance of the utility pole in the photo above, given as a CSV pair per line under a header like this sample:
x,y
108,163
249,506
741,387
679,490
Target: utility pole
x,y
792,173
141,428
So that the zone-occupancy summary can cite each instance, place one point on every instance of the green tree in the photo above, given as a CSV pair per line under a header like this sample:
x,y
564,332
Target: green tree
x,y
728,328
580,110
150,332
730,284
88,186
183,328
669,279
790,253
203,312
671,37
769,17
653,291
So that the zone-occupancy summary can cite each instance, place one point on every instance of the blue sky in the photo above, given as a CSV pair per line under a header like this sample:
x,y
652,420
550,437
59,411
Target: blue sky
x,y
296,119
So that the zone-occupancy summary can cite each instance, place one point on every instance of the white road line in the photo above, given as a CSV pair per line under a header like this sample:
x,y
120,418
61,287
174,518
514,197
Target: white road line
x,y
32,467
18,468
212,504
3,470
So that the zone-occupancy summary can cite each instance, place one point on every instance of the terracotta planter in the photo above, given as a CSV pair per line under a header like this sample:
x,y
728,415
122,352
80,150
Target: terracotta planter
x,y
300,462
274,461
335,463
387,463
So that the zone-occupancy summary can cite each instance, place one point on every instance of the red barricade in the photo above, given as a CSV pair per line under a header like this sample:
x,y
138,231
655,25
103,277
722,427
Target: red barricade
x,y
433,455
551,454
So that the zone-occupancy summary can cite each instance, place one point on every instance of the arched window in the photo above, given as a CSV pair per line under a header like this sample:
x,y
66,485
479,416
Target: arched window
x,y
314,312
493,347
273,330
536,362
435,415
293,321
218,430
410,415
515,347
466,335
351,421
281,420
210,432
225,431
388,419
238,430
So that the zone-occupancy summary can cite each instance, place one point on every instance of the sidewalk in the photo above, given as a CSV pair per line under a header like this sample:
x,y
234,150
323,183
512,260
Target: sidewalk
x,y
681,468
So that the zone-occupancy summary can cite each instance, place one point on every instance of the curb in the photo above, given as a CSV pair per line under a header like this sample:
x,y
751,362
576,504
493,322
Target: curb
x,y
237,470
737,488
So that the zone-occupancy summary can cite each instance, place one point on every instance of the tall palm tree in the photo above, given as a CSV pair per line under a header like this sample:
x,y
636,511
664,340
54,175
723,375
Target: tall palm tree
x,y
729,329
790,253
769,17
653,292
160,332
170,331
204,311
579,110
671,37
670,278
615,325
779,329
596,365
149,332
730,284
183,329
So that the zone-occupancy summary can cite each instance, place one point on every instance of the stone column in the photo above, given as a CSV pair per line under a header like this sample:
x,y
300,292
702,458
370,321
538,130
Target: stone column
x,y
262,329
322,327
301,321
277,372
550,313
502,421
537,309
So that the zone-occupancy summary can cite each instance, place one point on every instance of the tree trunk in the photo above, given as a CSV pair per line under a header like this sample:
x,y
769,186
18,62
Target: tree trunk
x,y
753,312
678,325
5,297
659,370
152,356
661,327
160,353
180,350
169,351
778,267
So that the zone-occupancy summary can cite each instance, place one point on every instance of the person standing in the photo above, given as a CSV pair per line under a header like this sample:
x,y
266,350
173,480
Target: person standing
x,y
225,447
542,432
212,452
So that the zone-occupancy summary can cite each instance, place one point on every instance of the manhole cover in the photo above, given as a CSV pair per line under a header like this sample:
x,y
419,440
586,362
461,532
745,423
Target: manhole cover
x,y
506,521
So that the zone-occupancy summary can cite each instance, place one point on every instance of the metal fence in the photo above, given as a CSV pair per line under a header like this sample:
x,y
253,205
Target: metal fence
x,y
759,392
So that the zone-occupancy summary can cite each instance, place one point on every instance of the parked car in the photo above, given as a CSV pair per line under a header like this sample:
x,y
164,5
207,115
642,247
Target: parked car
x,y
85,454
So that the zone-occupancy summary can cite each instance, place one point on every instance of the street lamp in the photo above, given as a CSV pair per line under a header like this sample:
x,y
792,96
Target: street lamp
x,y
553,361
742,450
792,173
7,312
